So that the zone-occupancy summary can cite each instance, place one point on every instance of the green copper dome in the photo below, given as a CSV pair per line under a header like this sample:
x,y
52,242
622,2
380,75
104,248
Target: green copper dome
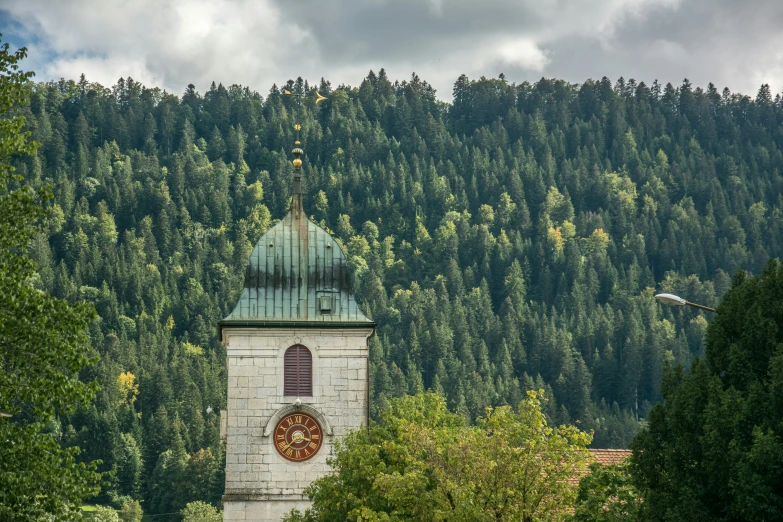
x,y
297,276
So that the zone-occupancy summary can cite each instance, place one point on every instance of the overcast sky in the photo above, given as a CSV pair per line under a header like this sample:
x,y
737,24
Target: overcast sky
x,y
170,43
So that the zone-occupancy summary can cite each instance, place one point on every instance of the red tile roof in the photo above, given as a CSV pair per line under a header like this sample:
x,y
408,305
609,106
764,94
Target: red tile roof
x,y
605,457
610,456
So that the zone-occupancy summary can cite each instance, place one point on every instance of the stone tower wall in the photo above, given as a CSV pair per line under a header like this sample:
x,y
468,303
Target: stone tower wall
x,y
260,484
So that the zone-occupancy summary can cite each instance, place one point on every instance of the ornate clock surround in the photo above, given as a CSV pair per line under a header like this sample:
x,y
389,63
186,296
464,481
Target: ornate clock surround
x,y
298,437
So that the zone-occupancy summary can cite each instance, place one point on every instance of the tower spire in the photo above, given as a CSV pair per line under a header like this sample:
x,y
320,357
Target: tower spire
x,y
299,92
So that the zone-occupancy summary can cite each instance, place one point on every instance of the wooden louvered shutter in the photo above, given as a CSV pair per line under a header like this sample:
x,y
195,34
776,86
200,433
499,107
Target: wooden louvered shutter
x,y
298,377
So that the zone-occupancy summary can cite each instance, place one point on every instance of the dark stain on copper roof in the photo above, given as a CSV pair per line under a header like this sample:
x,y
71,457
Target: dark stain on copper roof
x,y
297,273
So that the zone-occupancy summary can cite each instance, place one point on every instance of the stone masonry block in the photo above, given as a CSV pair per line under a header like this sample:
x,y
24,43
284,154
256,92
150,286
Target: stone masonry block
x,y
254,396
349,374
357,364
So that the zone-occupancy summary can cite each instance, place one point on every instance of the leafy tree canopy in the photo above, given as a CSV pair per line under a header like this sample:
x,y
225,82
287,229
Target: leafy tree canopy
x,y
422,462
607,494
201,512
43,340
714,449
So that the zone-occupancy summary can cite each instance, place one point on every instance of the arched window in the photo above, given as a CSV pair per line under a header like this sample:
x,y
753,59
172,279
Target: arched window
x,y
298,376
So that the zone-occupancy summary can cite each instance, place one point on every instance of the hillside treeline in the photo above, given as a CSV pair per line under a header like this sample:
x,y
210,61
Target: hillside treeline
x,y
510,240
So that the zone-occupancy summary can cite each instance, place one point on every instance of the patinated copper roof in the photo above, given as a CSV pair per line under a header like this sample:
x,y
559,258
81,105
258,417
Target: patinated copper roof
x,y
297,275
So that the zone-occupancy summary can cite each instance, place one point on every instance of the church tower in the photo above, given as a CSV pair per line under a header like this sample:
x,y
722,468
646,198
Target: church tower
x,y
298,377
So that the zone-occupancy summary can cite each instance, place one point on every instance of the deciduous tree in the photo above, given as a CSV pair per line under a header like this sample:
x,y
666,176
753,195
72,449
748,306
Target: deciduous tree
x,y
422,462
43,340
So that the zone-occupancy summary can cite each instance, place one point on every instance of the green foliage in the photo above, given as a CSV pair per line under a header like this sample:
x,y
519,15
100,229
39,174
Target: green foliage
x,y
714,449
201,512
423,463
514,241
129,466
43,341
607,494
104,514
38,477
131,512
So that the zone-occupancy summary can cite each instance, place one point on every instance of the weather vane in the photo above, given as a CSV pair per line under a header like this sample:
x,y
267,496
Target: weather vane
x,y
297,163
298,94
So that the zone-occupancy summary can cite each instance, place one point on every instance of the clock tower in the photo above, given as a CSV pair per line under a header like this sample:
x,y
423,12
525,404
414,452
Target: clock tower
x,y
297,350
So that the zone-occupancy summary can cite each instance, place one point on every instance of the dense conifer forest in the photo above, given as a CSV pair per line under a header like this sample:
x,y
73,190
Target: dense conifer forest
x,y
510,240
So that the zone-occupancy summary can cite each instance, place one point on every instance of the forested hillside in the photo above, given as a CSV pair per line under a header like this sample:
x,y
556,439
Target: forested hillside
x,y
510,240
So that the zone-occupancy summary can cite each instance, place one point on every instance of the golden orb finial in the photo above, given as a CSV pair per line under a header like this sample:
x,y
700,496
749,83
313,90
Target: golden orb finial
x,y
298,92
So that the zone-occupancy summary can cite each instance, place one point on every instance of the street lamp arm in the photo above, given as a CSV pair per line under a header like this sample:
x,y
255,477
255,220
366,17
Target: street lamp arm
x,y
675,300
700,306
671,299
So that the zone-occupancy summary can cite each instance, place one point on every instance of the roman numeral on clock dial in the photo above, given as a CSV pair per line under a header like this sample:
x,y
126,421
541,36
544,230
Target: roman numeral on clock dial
x,y
297,437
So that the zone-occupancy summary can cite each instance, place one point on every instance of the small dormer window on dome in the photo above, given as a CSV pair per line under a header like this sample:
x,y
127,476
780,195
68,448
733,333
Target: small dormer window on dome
x,y
325,304
297,274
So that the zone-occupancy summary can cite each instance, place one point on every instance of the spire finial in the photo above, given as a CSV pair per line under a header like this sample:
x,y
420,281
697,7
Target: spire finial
x,y
299,92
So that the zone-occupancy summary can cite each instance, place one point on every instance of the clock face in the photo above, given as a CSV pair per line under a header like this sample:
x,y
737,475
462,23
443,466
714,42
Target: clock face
x,y
298,437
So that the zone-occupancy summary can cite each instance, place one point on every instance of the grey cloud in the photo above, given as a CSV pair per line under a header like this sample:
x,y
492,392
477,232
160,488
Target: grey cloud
x,y
171,43
720,41
406,29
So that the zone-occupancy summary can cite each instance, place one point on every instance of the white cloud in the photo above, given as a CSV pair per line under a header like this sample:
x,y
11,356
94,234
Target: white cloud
x,y
522,53
104,70
170,43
